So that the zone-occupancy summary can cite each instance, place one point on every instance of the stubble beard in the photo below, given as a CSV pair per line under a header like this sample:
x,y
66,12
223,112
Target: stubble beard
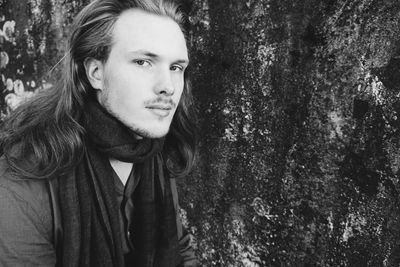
x,y
139,132
143,133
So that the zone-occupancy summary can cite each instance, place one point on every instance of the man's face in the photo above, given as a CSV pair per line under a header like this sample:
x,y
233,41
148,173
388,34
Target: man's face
x,y
143,78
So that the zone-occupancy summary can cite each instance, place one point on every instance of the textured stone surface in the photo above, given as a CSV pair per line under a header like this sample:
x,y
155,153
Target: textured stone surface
x,y
298,109
298,105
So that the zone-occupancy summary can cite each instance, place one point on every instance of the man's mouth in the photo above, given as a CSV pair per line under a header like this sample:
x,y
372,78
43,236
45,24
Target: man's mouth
x,y
160,110
160,106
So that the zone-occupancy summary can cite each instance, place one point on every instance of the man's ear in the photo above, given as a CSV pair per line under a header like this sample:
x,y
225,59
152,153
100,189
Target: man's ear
x,y
94,71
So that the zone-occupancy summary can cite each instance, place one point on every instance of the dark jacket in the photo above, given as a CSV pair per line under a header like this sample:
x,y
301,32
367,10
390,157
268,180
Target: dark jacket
x,y
30,223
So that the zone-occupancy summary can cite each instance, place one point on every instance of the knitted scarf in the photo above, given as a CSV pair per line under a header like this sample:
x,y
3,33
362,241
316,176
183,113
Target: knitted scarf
x,y
91,227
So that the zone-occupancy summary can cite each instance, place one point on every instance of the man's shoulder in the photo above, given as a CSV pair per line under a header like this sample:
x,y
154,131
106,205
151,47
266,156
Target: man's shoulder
x,y
30,193
26,224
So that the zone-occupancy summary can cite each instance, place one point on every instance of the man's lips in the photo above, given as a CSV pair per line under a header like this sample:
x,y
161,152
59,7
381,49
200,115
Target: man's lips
x,y
160,106
160,110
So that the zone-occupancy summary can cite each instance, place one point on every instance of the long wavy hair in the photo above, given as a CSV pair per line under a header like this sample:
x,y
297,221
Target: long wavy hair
x,y
44,137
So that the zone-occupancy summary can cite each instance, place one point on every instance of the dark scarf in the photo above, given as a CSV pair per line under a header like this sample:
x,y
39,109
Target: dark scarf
x,y
92,234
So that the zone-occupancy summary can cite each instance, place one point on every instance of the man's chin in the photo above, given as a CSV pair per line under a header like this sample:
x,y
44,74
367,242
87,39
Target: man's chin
x,y
148,133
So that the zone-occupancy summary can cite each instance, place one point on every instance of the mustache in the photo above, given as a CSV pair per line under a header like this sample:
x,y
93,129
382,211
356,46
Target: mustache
x,y
161,100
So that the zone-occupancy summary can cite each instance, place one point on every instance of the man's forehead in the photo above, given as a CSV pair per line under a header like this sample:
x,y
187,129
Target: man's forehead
x,y
137,31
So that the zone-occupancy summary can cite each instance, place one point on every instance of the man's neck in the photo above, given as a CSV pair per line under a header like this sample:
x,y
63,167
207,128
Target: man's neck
x,y
122,169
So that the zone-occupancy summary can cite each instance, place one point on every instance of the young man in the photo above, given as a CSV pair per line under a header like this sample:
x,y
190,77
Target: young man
x,y
86,178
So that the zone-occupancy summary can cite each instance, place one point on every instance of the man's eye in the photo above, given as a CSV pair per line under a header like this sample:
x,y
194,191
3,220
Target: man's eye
x,y
176,68
142,62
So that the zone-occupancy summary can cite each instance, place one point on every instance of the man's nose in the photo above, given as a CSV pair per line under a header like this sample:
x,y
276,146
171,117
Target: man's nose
x,y
165,84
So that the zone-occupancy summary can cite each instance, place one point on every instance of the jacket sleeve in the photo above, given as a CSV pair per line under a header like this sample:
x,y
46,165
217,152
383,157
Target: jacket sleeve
x,y
186,249
187,253
24,238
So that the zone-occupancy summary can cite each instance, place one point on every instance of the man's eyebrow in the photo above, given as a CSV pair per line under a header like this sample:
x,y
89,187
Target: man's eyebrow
x,y
182,61
144,52
153,55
